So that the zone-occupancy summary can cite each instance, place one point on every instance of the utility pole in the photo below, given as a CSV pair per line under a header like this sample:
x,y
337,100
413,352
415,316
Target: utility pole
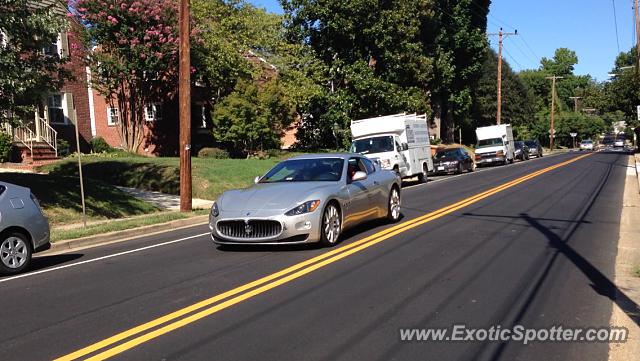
x,y
185,108
553,110
575,103
500,35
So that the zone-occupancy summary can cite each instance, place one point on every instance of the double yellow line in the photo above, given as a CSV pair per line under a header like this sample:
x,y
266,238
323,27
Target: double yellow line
x,y
212,305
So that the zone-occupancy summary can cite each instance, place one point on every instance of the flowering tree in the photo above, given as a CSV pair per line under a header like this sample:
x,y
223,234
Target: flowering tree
x,y
132,49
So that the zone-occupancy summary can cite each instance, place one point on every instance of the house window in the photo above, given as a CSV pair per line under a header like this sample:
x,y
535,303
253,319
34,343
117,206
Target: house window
x,y
56,111
54,49
113,116
153,112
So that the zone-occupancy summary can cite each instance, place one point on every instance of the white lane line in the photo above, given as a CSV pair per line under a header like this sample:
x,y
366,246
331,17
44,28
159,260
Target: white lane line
x,y
101,258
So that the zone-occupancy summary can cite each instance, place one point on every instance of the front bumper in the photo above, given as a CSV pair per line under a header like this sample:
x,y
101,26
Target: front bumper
x,y
304,228
491,160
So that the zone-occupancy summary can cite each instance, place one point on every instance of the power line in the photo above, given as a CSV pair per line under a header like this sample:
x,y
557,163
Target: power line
x,y
615,22
488,14
524,54
528,47
513,58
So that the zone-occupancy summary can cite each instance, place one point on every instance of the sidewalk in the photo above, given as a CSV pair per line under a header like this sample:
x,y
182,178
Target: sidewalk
x,y
165,201
627,260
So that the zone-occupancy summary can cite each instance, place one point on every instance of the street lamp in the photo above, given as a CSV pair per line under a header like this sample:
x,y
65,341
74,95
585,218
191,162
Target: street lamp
x,y
336,131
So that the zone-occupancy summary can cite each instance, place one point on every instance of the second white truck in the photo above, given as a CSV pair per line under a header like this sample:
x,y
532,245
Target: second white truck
x,y
399,142
495,145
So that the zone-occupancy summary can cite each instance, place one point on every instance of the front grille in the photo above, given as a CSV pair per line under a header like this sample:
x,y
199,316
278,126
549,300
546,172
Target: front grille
x,y
251,229
488,155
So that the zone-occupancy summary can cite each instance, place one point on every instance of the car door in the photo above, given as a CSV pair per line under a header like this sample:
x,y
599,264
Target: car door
x,y
361,193
379,191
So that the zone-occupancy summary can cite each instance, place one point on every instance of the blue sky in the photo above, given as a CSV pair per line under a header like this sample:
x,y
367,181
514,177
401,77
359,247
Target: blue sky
x,y
585,26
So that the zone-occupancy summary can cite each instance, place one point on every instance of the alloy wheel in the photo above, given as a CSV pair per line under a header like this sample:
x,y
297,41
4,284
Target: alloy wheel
x,y
331,224
14,252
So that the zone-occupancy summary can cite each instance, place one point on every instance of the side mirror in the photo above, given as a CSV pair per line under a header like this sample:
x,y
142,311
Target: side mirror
x,y
256,180
359,176
405,146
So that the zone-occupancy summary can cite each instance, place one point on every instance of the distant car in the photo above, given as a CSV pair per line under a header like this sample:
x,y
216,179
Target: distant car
x,y
307,199
521,150
586,144
535,149
24,230
453,160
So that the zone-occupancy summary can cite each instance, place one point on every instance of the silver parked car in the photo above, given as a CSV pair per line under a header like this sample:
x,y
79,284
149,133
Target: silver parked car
x,y
24,229
306,199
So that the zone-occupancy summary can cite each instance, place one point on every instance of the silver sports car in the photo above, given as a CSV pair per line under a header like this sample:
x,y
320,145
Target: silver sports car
x,y
306,199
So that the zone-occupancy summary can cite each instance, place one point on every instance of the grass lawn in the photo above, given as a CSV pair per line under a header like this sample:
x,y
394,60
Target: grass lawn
x,y
160,217
59,197
211,176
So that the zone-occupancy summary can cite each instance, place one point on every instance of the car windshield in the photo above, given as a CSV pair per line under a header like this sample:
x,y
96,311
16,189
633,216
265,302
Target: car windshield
x,y
446,153
586,142
373,145
305,170
530,143
489,142
519,145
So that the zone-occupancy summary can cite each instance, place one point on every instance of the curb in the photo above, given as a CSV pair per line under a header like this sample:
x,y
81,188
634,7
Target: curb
x,y
126,235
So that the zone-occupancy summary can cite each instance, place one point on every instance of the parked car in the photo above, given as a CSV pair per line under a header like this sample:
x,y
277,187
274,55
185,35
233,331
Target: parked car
x,y
453,160
619,142
534,147
306,199
24,230
521,150
586,144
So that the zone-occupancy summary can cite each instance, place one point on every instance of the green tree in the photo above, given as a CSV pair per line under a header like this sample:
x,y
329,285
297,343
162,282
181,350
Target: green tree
x,y
517,102
27,73
253,118
623,92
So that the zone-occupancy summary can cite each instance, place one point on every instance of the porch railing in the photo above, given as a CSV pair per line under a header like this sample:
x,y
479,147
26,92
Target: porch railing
x,y
38,131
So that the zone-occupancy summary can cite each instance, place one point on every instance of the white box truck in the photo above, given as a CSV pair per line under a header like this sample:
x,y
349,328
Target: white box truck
x,y
495,145
398,142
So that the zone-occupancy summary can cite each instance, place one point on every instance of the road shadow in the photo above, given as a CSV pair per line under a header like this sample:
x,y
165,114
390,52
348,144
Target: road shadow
x,y
600,283
42,262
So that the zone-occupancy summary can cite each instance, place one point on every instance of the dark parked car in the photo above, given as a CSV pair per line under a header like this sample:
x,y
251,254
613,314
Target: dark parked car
x,y
522,150
453,160
534,147
24,229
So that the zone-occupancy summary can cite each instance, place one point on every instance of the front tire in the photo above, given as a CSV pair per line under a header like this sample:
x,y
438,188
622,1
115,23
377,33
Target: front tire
x,y
331,225
15,253
472,167
393,206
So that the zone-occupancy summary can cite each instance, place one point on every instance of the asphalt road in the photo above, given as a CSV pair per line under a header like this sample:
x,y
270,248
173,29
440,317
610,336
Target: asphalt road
x,y
538,252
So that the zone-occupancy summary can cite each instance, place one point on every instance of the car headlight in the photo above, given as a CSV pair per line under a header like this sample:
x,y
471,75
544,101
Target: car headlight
x,y
306,207
500,153
214,209
451,162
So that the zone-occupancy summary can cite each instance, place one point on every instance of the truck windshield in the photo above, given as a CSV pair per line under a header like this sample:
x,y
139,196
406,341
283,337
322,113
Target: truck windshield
x,y
373,145
489,142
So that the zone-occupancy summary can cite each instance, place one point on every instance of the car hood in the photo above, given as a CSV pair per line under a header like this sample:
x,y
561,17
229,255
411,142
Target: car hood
x,y
270,196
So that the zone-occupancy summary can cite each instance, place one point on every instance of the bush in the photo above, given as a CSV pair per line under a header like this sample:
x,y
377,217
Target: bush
x,y
215,153
436,141
99,145
63,147
6,145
